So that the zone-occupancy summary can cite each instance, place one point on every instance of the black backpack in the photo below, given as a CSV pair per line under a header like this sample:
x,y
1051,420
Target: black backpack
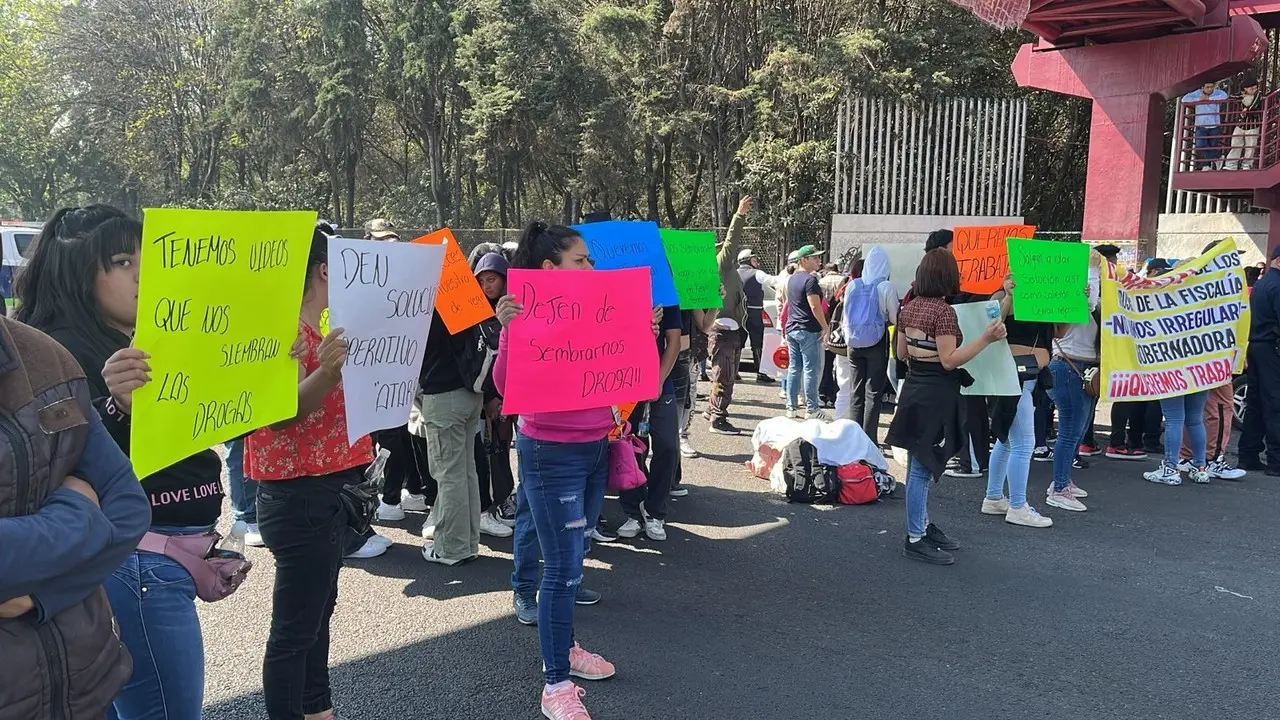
x,y
808,480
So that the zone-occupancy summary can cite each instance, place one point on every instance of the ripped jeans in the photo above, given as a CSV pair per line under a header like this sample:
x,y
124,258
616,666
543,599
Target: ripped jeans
x,y
559,497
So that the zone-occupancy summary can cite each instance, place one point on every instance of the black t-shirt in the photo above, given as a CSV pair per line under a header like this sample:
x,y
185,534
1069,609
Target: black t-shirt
x,y
185,494
800,287
671,320
440,372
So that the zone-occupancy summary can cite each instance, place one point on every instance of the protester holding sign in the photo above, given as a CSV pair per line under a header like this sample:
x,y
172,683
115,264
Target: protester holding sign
x,y
929,405
563,465
1074,367
81,287
302,464
1013,419
497,429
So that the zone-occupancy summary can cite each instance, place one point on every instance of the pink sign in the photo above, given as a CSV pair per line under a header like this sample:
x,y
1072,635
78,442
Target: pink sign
x,y
585,340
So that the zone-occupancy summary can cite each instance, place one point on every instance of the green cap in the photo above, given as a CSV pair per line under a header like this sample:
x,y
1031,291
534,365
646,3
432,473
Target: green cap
x,y
807,251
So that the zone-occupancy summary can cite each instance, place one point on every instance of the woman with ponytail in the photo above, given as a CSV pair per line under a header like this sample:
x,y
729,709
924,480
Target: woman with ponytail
x,y
563,465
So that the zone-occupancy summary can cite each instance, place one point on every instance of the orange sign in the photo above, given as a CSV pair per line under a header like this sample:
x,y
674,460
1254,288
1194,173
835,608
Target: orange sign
x,y
459,300
983,256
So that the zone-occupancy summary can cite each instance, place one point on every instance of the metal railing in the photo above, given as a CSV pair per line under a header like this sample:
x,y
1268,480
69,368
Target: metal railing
x,y
1226,136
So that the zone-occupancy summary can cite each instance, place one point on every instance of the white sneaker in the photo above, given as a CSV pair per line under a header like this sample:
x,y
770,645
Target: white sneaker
x,y
1220,469
1200,476
1165,475
792,414
654,528
412,503
253,538
370,549
686,449
999,506
390,513
629,529
490,525
382,540
1064,500
1027,516
429,530
1186,466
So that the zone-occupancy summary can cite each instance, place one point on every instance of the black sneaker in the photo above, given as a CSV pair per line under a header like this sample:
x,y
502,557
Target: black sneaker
x,y
722,426
586,597
526,609
1042,454
934,534
1080,463
925,551
764,379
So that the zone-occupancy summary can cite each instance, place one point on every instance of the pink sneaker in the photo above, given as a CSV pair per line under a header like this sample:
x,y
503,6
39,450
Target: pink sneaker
x,y
1075,491
565,703
588,666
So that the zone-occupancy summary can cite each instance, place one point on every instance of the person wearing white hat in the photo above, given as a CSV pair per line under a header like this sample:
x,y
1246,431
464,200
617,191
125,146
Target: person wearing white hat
x,y
380,229
754,283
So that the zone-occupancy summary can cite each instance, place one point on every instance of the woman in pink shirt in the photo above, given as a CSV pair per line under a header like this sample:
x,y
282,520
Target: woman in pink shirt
x,y
564,464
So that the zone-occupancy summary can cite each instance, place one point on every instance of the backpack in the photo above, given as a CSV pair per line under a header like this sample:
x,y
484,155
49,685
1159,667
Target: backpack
x,y
836,340
477,347
808,480
863,321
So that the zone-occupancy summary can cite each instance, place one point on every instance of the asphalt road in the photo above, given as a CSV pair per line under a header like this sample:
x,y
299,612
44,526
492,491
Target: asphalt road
x,y
1158,602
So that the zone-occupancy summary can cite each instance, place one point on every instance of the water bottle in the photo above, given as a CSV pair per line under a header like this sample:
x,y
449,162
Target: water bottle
x,y
374,474
993,310
640,420
233,543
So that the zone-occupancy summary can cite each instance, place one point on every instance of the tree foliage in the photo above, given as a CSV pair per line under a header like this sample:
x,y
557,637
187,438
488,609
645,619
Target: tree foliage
x,y
481,112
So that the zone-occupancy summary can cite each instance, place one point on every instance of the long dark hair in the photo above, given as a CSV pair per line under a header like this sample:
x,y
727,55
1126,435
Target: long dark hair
x,y
319,253
539,242
938,275
55,288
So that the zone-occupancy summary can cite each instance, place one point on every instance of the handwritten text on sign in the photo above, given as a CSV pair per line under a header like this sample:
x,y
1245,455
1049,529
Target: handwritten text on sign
x,y
382,295
1051,279
459,299
621,244
692,255
983,257
585,340
1162,340
218,310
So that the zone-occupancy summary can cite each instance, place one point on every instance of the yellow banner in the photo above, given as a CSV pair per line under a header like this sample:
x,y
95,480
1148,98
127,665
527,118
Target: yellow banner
x,y
218,305
1177,334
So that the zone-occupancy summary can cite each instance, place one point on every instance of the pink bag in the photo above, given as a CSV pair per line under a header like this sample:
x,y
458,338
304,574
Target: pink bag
x,y
217,573
624,469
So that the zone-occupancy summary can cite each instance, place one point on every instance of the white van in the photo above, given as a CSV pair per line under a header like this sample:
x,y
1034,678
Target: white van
x,y
15,240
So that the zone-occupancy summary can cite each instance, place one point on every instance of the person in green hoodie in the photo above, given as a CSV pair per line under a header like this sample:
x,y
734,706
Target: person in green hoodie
x,y
726,336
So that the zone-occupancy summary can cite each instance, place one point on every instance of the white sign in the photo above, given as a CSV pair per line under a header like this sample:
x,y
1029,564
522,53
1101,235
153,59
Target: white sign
x,y
994,371
382,295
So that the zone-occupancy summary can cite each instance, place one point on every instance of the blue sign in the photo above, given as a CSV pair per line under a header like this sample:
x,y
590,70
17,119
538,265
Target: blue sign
x,y
622,244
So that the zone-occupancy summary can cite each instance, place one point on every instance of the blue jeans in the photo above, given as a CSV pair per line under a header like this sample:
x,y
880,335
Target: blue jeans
x,y
560,494
1012,461
664,437
154,601
805,361
1207,145
918,480
1073,416
1185,411
244,492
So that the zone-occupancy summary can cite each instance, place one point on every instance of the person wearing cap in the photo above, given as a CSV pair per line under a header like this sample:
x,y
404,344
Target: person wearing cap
x,y
725,345
1262,414
1246,115
754,283
380,229
806,329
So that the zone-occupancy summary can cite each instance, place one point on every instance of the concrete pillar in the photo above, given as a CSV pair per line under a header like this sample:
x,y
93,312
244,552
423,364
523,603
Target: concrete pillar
x,y
1129,83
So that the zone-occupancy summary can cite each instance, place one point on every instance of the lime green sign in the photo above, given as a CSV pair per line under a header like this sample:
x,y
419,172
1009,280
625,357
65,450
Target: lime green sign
x,y
692,256
1050,279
